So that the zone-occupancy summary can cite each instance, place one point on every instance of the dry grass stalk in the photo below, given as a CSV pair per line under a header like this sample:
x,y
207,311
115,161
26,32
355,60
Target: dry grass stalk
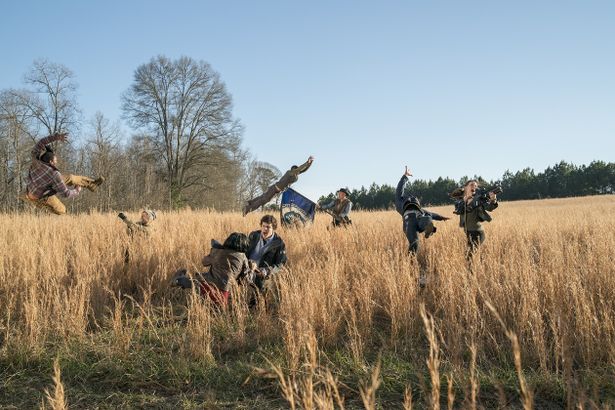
x,y
368,388
57,400
433,361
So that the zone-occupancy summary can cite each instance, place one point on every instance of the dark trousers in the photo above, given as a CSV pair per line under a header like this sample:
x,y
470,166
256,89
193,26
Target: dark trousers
x,y
475,239
262,199
415,223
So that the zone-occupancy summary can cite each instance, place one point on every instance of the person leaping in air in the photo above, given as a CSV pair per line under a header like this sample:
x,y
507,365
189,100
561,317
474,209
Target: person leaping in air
x,y
45,182
291,176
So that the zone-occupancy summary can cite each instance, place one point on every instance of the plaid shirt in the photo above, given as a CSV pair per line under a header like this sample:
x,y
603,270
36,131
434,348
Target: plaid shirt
x,y
45,180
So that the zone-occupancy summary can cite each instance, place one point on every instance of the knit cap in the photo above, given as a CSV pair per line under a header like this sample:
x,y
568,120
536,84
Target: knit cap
x,y
152,214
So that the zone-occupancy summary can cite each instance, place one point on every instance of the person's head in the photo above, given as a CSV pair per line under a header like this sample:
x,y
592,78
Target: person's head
x,y
49,157
342,193
268,225
470,187
147,216
294,167
238,242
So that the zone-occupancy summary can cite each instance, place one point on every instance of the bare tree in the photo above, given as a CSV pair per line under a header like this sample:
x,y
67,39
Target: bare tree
x,y
15,123
256,177
186,109
103,153
53,101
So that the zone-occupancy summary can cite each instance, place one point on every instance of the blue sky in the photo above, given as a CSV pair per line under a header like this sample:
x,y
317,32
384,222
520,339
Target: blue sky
x,y
449,88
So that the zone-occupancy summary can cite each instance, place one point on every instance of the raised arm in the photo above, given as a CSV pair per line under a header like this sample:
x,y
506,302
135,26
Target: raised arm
x,y
438,217
39,148
328,205
305,166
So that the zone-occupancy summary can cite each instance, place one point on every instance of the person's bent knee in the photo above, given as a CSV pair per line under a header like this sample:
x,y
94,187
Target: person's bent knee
x,y
59,210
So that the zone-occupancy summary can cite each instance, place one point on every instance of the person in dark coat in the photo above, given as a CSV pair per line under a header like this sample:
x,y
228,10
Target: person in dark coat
x,y
415,219
268,251
291,176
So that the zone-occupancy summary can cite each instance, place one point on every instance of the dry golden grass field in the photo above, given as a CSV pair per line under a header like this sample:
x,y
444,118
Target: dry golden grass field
x,y
531,326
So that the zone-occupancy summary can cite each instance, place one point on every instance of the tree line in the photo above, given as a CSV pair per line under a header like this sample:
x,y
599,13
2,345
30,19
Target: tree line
x,y
558,181
184,148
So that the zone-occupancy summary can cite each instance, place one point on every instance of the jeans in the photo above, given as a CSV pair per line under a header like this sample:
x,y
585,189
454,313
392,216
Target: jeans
x,y
415,223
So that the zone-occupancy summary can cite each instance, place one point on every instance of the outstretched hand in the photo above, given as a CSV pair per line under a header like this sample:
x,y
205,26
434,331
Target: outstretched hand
x,y
407,172
311,159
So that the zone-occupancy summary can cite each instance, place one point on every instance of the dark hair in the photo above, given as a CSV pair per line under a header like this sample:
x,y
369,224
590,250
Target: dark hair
x,y
459,192
237,242
48,155
270,219
294,167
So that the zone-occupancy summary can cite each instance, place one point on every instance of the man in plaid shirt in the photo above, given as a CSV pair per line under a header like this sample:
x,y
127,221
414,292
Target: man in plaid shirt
x,y
45,181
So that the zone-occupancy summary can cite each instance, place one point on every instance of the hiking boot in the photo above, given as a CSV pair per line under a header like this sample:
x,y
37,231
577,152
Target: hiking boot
x,y
430,229
93,186
98,181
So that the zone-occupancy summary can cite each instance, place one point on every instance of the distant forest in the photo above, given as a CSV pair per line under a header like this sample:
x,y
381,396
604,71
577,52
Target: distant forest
x,y
557,181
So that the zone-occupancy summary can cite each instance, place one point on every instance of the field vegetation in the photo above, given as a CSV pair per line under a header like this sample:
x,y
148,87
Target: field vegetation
x,y
531,325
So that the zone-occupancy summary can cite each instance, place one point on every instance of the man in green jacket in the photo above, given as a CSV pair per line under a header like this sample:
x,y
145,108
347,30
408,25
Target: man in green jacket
x,y
291,176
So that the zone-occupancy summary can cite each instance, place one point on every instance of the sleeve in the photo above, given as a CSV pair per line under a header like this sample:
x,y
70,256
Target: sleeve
x,y
60,187
490,206
435,216
280,260
207,260
399,193
458,207
328,206
245,269
39,148
303,167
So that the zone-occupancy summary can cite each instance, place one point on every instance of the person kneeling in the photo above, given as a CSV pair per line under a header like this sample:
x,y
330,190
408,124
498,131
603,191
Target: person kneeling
x,y
227,263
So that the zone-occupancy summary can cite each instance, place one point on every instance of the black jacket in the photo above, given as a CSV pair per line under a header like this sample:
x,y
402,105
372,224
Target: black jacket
x,y
407,201
274,258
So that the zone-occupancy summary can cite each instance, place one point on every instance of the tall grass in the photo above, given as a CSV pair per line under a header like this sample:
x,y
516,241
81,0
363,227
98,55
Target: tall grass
x,y
543,281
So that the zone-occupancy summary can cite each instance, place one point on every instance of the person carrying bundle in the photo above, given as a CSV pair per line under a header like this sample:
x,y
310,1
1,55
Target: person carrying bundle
x,y
473,205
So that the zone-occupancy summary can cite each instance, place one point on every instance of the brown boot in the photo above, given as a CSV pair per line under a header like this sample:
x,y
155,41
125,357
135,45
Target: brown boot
x,y
95,184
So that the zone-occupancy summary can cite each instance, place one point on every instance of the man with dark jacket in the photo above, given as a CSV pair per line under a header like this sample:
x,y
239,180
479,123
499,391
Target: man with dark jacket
x,y
268,251
416,219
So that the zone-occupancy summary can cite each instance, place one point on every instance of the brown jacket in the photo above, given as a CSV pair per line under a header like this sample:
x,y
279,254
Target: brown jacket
x,y
226,265
292,175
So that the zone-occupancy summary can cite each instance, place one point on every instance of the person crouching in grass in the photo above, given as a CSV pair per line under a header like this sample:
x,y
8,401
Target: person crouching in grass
x,y
227,263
